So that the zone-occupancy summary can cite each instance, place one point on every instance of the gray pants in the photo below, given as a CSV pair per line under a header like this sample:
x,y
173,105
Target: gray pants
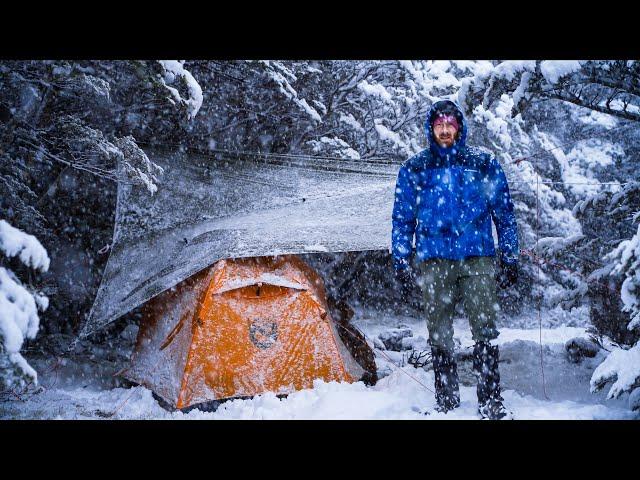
x,y
444,283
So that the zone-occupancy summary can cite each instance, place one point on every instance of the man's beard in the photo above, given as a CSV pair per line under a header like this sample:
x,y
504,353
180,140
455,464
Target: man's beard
x,y
445,141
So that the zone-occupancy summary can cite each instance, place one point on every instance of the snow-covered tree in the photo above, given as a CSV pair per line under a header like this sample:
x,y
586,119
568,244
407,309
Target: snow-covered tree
x,y
19,304
605,97
64,128
605,86
582,115
622,366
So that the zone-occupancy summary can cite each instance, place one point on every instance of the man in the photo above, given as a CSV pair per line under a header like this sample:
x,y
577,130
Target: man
x,y
446,196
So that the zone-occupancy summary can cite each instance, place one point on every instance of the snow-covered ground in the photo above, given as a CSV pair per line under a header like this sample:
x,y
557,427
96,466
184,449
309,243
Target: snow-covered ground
x,y
86,389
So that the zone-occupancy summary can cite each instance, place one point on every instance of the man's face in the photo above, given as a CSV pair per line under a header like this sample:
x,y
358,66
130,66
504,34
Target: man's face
x,y
444,132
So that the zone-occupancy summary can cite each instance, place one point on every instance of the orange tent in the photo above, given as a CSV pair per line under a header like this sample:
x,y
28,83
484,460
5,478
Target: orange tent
x,y
237,329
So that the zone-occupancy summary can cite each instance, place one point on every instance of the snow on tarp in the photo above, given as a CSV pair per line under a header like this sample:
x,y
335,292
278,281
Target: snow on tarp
x,y
210,207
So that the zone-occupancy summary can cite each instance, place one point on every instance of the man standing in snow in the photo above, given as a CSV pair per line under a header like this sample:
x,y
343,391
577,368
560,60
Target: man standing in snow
x,y
446,196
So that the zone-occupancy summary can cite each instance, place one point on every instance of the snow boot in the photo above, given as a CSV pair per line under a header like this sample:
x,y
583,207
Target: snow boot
x,y
485,366
446,383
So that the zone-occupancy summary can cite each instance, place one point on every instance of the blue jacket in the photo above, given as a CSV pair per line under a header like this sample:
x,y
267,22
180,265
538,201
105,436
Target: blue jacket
x,y
447,198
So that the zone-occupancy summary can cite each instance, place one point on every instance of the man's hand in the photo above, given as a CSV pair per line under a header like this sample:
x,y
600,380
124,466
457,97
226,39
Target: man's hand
x,y
508,274
406,279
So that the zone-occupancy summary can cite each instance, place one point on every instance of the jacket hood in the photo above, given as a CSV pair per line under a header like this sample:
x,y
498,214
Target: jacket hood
x,y
459,144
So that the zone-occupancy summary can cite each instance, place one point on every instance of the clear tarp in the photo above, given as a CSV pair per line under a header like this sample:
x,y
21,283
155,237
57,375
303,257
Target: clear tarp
x,y
213,206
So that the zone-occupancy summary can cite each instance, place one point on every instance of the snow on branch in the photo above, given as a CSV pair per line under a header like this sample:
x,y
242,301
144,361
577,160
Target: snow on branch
x,y
14,242
136,164
385,133
610,87
628,255
18,306
283,77
173,70
497,123
489,82
554,70
333,146
622,367
375,90
554,245
19,317
83,142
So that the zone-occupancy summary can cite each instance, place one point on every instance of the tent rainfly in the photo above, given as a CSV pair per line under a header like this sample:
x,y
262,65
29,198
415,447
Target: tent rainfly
x,y
209,207
240,328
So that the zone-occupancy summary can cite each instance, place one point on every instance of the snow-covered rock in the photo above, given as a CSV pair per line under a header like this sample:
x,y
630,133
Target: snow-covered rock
x,y
579,347
393,338
418,343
